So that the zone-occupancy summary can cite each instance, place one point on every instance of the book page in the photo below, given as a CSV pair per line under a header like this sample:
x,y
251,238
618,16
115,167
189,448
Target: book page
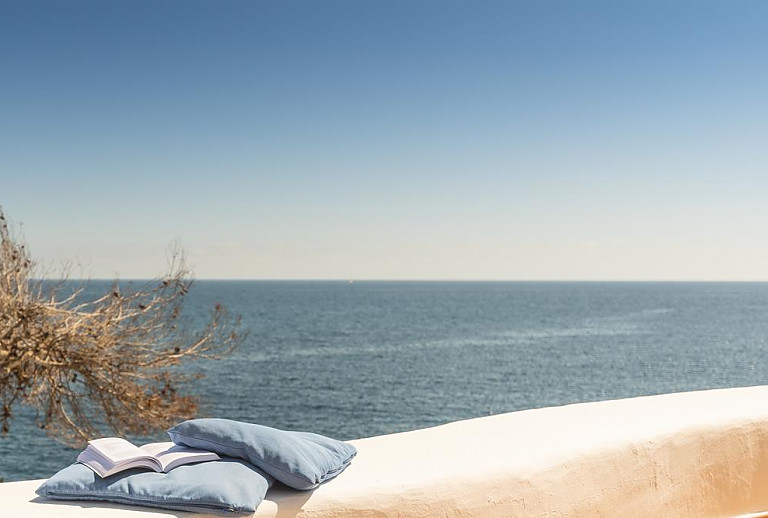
x,y
116,450
154,449
104,468
171,455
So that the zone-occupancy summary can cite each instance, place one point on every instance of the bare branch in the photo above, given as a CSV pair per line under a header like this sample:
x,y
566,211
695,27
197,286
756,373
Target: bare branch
x,y
104,364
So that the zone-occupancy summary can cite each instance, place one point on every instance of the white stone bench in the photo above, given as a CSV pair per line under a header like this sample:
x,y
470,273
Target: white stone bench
x,y
702,454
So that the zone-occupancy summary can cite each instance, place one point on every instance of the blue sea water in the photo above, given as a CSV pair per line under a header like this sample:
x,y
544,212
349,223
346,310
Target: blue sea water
x,y
360,359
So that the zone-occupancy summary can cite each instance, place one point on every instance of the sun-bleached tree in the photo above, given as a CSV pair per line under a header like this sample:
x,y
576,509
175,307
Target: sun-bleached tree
x,y
105,364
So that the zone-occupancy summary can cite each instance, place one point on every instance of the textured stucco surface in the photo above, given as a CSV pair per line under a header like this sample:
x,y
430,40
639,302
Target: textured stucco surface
x,y
702,454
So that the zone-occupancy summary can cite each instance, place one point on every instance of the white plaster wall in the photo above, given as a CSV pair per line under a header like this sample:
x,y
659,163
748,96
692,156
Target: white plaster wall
x,y
702,454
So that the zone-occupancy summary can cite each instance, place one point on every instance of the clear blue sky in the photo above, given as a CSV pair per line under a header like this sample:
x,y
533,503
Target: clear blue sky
x,y
389,139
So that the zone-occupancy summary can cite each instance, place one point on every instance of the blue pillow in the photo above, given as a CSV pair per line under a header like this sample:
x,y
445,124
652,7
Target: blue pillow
x,y
299,460
225,486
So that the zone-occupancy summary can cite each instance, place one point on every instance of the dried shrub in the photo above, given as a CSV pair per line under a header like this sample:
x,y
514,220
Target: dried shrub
x,y
107,364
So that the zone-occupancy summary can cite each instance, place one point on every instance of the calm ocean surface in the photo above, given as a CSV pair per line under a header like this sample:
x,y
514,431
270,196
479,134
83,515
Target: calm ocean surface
x,y
362,359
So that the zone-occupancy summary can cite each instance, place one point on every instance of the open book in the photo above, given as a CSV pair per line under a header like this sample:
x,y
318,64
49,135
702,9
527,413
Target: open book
x,y
112,454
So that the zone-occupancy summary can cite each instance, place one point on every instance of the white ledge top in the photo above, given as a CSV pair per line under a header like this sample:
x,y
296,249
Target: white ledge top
x,y
686,454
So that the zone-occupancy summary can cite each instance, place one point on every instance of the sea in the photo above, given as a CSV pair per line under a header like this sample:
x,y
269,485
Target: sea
x,y
359,359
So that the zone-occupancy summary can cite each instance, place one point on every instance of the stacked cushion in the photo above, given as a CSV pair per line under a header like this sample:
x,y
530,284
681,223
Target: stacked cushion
x,y
224,487
252,457
299,460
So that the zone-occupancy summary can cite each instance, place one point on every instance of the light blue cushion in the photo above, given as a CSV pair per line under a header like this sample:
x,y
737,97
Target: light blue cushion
x,y
299,460
226,486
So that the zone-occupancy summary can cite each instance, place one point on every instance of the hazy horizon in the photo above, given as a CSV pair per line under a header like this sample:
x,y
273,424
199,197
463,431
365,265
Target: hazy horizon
x,y
425,140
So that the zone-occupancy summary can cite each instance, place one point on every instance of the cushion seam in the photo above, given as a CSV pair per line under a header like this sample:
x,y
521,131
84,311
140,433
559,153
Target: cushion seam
x,y
130,497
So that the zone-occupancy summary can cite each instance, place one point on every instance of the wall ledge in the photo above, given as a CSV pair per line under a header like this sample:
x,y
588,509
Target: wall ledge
x,y
702,454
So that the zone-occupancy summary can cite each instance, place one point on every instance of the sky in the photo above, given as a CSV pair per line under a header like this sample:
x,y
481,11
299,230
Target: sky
x,y
361,139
